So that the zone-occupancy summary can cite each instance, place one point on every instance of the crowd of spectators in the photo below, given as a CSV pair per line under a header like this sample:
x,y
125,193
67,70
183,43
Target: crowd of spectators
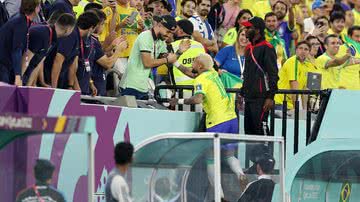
x,y
71,44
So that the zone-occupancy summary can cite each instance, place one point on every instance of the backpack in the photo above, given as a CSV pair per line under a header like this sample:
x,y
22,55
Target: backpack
x,y
4,15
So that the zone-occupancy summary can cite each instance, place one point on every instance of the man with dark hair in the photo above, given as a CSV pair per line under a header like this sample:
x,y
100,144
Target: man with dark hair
x,y
99,61
60,66
354,33
329,62
158,6
203,32
93,5
293,74
273,37
42,190
187,9
42,39
116,188
260,78
83,73
14,40
65,6
183,32
286,29
337,25
260,82
261,189
145,56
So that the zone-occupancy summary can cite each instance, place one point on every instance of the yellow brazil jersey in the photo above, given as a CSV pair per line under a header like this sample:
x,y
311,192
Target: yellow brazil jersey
x,y
179,18
356,17
130,31
260,8
279,45
292,70
342,34
186,59
330,76
217,104
79,9
349,75
246,4
230,36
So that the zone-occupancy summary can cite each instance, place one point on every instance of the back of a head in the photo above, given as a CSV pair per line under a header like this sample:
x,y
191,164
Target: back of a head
x,y
28,7
55,16
186,26
66,20
123,153
88,20
206,60
43,170
337,16
101,15
266,163
93,6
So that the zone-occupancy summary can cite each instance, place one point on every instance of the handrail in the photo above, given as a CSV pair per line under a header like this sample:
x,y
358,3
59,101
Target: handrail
x,y
311,130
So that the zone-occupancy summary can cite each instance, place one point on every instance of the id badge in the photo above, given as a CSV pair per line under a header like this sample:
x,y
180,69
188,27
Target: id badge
x,y
104,77
87,65
27,61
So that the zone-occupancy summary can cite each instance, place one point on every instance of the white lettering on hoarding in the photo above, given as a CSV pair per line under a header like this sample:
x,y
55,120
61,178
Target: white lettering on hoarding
x,y
15,122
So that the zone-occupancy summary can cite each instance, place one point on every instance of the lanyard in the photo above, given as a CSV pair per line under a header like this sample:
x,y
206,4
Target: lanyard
x,y
266,81
82,49
28,24
51,35
38,194
242,64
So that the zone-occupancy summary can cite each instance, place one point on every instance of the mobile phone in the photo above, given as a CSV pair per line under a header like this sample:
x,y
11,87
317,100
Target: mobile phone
x,y
132,17
149,9
320,24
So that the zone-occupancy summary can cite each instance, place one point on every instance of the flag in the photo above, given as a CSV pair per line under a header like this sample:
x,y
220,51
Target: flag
x,y
345,192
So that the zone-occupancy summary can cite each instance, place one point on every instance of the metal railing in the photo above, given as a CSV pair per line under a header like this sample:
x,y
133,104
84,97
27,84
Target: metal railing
x,y
322,96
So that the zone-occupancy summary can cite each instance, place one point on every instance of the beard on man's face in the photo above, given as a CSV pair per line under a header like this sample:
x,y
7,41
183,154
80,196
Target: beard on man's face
x,y
204,12
187,15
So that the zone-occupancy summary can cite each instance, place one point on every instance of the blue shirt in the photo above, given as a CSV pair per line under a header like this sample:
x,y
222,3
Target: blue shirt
x,y
98,72
83,74
62,5
42,39
285,34
13,38
69,48
228,60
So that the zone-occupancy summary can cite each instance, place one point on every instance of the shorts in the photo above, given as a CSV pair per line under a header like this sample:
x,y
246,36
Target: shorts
x,y
231,126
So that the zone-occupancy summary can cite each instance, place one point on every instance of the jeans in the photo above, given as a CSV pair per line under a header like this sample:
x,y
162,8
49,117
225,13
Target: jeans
x,y
138,95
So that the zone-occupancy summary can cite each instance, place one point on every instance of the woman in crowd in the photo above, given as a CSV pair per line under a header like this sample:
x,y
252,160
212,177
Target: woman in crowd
x,y
231,58
232,34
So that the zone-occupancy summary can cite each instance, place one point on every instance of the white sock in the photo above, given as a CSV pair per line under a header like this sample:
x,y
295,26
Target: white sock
x,y
234,164
211,176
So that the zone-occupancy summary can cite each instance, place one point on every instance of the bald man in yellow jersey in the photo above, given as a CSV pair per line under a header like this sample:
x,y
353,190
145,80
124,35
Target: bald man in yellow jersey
x,y
220,114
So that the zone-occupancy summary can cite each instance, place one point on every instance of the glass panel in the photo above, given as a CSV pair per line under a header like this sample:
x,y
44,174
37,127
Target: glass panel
x,y
245,162
19,157
172,152
329,176
179,174
185,167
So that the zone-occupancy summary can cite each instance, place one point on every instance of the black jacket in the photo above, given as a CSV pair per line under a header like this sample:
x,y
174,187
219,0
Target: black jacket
x,y
254,85
258,191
